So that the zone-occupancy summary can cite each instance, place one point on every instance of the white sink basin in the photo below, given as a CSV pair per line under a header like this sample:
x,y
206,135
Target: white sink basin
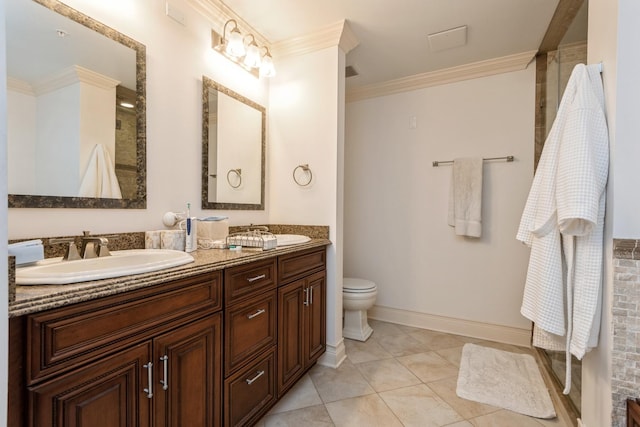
x,y
54,271
291,239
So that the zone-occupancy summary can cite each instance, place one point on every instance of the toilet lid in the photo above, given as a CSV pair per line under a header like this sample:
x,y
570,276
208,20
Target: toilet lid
x,y
351,284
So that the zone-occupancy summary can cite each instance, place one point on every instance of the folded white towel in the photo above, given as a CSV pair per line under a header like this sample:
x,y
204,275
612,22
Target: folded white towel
x,y
100,179
465,197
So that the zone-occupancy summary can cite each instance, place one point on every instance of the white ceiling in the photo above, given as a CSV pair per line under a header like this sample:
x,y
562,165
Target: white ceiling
x,y
393,33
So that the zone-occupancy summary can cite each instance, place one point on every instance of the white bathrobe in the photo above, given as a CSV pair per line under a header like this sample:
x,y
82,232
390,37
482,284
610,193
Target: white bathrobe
x,y
563,222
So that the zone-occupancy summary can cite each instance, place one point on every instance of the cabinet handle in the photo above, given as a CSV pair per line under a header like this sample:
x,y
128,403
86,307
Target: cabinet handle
x,y
306,296
259,374
165,382
253,279
311,295
256,314
149,390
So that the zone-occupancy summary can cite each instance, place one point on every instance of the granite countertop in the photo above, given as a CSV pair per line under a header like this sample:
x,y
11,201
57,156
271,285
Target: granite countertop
x,y
32,299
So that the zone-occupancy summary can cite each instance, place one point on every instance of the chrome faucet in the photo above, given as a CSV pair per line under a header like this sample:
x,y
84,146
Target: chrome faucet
x,y
94,246
258,228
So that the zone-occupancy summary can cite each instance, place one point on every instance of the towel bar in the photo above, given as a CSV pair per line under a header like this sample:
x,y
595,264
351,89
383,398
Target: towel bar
x,y
507,158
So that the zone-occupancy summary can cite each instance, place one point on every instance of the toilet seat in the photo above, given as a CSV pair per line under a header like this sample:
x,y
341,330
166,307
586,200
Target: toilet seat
x,y
357,286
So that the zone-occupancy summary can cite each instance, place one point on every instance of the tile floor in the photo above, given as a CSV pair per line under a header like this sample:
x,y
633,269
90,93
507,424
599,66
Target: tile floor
x,y
401,376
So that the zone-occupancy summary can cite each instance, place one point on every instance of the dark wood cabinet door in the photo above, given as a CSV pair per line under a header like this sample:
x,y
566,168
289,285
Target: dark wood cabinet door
x,y
188,375
315,318
291,300
107,393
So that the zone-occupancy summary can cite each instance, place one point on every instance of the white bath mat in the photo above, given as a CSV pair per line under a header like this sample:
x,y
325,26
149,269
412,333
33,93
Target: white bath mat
x,y
503,379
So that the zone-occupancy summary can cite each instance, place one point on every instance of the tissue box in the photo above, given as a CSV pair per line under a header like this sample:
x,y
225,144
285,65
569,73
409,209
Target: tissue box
x,y
213,230
26,252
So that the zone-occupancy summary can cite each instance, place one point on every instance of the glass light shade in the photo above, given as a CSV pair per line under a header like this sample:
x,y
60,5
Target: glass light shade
x,y
253,56
266,67
235,46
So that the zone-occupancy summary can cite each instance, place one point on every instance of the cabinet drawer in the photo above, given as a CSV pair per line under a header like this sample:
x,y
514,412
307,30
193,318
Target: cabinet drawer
x,y
250,327
299,264
249,393
245,281
62,338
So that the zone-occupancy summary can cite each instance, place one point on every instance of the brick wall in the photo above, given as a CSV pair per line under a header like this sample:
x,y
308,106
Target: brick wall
x,y
625,381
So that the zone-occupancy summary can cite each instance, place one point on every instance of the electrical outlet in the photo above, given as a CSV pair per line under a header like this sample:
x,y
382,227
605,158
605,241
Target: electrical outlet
x,y
580,423
413,122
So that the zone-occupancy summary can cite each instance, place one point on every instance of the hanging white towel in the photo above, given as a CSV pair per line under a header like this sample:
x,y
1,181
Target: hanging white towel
x,y
465,197
99,178
563,222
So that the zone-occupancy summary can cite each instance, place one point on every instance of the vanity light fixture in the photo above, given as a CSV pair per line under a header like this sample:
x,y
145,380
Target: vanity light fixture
x,y
234,45
252,58
266,66
244,51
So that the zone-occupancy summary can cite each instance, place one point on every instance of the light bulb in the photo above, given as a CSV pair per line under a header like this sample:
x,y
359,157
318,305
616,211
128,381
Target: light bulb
x,y
253,56
235,46
266,67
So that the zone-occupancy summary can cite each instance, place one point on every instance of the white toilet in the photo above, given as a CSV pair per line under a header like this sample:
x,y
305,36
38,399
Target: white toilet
x,y
358,295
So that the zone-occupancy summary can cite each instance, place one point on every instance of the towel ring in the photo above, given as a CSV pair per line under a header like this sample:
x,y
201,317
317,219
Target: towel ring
x,y
305,168
238,173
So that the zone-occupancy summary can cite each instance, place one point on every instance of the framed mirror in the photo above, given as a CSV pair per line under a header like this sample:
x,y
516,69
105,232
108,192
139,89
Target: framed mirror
x,y
76,110
233,149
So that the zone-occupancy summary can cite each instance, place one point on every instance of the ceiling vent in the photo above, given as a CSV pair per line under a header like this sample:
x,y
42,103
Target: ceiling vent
x,y
349,71
448,39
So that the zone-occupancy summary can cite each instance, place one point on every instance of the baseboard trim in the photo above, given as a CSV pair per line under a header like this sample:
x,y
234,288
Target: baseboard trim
x,y
334,355
470,328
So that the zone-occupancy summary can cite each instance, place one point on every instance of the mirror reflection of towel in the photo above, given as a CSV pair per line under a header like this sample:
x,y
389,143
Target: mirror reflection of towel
x,y
100,179
465,197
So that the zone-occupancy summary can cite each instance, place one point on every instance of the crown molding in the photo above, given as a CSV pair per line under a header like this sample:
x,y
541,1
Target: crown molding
x,y
475,70
19,86
72,75
338,34
348,39
218,14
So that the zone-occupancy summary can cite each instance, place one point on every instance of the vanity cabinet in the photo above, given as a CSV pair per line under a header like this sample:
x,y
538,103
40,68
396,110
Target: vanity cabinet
x,y
219,348
149,357
301,314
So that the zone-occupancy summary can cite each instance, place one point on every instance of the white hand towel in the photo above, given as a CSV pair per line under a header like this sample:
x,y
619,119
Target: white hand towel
x,y
465,197
100,179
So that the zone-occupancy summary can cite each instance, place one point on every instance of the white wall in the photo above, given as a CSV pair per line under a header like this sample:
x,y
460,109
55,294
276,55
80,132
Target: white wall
x,y
306,120
21,125
4,303
57,162
177,58
396,231
241,128
624,74
602,47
